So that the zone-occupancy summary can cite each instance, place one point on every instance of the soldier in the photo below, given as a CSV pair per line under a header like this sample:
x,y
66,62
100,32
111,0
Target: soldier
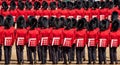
x,y
33,37
114,41
103,40
81,40
13,10
4,10
1,32
67,40
8,37
21,34
29,10
92,40
56,40
45,39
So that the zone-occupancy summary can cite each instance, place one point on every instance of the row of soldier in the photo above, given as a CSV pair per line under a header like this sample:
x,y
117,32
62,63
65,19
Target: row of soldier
x,y
101,10
59,34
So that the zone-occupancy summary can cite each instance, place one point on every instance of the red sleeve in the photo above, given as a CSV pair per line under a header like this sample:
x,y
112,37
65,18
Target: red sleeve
x,y
13,36
51,37
86,37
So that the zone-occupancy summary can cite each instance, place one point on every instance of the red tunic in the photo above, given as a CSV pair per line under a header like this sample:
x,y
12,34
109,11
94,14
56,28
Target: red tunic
x,y
56,36
8,36
45,37
87,14
33,38
103,38
64,13
80,13
92,37
69,37
1,36
14,13
81,38
95,13
54,13
21,36
46,13
114,38
72,13
29,13
22,13
5,13
38,13
103,13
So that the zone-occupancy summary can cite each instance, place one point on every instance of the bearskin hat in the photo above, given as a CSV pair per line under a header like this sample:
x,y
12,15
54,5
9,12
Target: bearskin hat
x,y
104,25
21,22
4,5
37,5
115,25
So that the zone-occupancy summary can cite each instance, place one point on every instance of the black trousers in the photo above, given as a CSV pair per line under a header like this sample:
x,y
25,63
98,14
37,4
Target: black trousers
x,y
60,53
73,52
28,53
19,52
55,54
7,54
44,54
50,53
79,54
91,54
32,57
84,54
113,54
66,52
102,54
0,52
39,52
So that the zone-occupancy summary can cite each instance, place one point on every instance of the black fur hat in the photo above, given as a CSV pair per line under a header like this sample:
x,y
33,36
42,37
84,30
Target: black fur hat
x,y
59,5
37,5
1,20
104,25
96,20
116,2
86,4
11,19
53,5
21,22
74,22
70,5
81,24
28,20
69,23
40,24
57,23
8,21
114,15
21,5
110,4
4,5
28,5
63,5
12,5
115,25
62,20
45,22
95,5
44,5
103,4
51,23
92,25
33,23
78,4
